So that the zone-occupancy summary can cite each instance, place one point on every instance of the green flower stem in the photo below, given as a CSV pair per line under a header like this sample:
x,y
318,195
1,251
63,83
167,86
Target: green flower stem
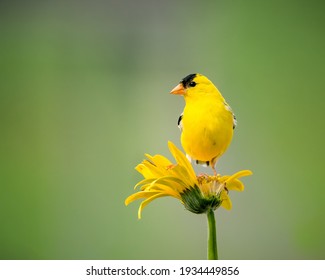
x,y
212,236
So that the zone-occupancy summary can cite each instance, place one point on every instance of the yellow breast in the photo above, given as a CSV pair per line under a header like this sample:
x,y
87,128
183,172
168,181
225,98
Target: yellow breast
x,y
207,128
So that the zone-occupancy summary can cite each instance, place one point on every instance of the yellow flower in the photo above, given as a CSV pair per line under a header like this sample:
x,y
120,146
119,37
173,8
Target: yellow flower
x,y
199,194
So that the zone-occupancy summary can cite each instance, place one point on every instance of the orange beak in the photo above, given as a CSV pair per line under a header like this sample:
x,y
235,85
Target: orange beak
x,y
179,89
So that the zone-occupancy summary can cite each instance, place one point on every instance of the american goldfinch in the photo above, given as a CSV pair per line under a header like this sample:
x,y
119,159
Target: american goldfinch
x,y
207,122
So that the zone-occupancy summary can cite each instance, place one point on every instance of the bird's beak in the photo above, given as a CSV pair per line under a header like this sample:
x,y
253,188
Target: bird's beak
x,y
179,89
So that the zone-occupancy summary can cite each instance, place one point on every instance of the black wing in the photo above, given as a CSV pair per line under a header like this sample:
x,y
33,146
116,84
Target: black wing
x,y
179,122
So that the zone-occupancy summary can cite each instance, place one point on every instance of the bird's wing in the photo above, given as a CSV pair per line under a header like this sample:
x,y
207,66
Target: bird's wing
x,y
179,122
234,123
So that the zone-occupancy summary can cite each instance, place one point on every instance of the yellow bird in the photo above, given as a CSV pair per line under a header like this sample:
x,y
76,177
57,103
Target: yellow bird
x,y
207,122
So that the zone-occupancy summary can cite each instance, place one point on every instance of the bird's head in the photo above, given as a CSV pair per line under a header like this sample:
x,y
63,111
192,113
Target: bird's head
x,y
195,85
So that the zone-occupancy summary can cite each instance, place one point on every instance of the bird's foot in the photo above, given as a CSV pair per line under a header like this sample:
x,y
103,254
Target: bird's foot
x,y
203,175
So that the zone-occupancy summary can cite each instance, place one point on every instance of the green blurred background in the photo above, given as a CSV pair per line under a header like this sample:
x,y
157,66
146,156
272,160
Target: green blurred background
x,y
84,94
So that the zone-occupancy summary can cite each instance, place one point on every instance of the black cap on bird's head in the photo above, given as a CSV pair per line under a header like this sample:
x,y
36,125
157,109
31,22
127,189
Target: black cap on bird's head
x,y
187,80
184,84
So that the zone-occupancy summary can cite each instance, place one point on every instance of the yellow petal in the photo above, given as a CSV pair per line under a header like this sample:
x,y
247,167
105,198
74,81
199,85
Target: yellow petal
x,y
173,182
226,202
159,160
153,169
167,190
147,201
235,185
182,160
144,170
138,195
181,173
238,174
144,182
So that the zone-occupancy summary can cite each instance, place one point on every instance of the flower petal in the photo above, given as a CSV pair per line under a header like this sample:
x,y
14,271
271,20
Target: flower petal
x,y
235,185
159,160
166,189
242,173
173,182
180,172
138,195
226,202
145,170
144,182
147,201
182,160
151,169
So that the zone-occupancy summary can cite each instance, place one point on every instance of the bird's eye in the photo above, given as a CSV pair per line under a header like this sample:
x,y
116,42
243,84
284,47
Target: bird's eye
x,y
192,84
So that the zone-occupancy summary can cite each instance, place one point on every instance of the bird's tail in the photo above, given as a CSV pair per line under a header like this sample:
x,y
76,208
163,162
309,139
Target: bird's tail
x,y
199,162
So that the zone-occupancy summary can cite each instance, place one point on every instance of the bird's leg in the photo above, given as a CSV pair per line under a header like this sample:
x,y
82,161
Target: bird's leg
x,y
213,166
214,170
